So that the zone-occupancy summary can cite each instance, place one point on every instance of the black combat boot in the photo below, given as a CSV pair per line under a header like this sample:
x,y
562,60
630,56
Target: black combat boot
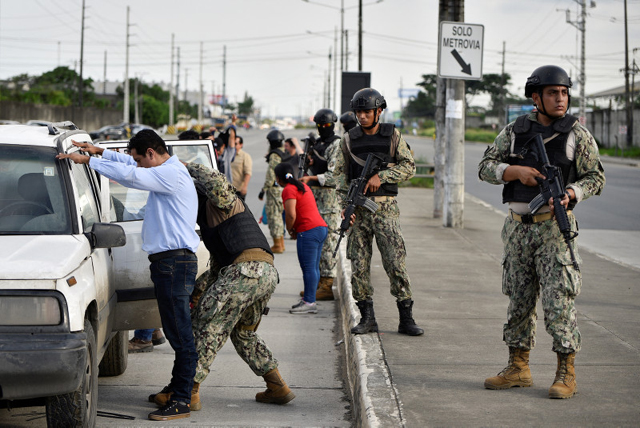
x,y
368,322
407,324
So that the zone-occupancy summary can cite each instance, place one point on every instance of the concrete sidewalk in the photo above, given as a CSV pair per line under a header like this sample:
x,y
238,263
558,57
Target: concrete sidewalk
x,y
437,379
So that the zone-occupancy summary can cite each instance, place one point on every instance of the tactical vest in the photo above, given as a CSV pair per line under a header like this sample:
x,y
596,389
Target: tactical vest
x,y
320,162
381,144
230,238
523,154
284,156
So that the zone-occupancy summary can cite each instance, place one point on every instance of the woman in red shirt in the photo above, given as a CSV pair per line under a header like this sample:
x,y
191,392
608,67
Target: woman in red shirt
x,y
304,223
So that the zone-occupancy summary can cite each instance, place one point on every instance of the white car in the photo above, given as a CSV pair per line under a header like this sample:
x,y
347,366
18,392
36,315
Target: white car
x,y
73,276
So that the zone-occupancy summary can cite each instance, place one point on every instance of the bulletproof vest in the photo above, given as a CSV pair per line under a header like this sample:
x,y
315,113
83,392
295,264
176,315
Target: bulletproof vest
x,y
379,144
523,154
230,238
320,162
284,156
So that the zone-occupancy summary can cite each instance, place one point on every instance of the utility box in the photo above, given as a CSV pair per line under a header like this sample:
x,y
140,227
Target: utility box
x,y
352,82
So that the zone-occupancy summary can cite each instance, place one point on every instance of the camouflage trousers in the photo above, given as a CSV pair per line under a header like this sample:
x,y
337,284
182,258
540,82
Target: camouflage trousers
x,y
537,261
385,226
274,208
232,307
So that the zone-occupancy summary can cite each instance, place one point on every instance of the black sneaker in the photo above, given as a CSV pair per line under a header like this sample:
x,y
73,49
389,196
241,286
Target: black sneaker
x,y
172,410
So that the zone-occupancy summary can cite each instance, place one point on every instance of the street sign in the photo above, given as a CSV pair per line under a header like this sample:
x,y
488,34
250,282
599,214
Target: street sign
x,y
460,48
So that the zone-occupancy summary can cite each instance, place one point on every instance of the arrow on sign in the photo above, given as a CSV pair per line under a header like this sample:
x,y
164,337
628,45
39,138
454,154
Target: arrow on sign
x,y
466,68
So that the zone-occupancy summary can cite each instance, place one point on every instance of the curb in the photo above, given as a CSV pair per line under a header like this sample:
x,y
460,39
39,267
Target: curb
x,y
374,396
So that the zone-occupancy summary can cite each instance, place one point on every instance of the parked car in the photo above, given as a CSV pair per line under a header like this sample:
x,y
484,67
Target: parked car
x,y
73,276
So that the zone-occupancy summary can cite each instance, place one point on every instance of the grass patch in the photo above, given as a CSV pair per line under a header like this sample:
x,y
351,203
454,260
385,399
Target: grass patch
x,y
471,134
629,152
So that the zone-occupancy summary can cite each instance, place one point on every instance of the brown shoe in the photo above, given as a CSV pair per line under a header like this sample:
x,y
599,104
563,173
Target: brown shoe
x,y
517,372
277,390
157,338
278,245
325,291
163,397
564,385
138,345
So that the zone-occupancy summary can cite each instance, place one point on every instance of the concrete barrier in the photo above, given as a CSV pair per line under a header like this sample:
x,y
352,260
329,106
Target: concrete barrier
x,y
374,397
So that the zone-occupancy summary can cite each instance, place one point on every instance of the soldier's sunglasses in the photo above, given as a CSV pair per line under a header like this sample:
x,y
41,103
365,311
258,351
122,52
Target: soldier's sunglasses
x,y
324,125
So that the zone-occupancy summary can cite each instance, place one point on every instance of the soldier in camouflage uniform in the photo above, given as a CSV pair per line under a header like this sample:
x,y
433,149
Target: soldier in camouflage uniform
x,y
274,207
385,141
537,260
322,161
230,299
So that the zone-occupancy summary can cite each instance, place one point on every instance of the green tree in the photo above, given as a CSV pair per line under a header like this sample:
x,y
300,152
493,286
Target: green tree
x,y
246,106
424,105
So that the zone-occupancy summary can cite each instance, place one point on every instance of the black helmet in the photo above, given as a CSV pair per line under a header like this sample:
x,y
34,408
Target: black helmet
x,y
348,120
367,99
325,115
275,136
545,76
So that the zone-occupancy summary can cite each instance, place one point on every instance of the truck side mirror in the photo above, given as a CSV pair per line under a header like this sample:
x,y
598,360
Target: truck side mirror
x,y
106,235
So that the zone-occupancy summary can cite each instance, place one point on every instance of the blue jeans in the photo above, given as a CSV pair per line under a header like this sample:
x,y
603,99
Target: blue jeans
x,y
144,334
174,279
309,245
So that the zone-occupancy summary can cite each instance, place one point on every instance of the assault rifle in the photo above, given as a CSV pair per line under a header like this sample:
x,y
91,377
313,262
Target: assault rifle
x,y
552,187
303,161
355,196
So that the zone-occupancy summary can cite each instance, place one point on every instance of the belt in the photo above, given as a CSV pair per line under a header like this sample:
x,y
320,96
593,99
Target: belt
x,y
382,198
531,218
254,255
171,253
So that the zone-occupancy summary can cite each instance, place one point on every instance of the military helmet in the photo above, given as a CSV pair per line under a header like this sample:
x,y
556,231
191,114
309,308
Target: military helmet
x,y
545,76
367,99
325,115
275,135
348,117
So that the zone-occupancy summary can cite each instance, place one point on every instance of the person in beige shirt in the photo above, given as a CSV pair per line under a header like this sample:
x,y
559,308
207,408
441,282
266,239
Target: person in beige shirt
x,y
241,169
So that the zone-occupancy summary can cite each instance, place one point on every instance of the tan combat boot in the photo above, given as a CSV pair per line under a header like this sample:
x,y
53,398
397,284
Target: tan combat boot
x,y
324,291
517,373
564,385
277,390
278,245
163,397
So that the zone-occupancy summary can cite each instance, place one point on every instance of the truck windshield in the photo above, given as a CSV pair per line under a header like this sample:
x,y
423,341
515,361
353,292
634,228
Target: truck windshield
x,y
33,198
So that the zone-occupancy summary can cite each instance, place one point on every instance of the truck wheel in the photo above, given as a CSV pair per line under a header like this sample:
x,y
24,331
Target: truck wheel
x,y
78,408
114,361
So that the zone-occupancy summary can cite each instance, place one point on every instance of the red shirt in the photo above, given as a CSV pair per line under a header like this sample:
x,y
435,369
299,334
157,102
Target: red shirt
x,y
307,215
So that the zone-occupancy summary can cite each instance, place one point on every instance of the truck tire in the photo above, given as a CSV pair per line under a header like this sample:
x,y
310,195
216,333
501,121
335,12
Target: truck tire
x,y
78,408
114,361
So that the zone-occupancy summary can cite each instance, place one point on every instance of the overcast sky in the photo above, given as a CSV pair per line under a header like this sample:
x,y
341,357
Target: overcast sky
x,y
277,50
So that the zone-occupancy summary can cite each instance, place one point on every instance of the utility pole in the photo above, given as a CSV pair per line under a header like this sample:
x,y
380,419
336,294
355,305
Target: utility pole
x,y
80,83
224,78
186,84
126,77
359,35
178,78
328,105
104,75
342,35
452,175
136,113
440,142
627,71
201,90
503,107
346,50
171,84
580,24
335,68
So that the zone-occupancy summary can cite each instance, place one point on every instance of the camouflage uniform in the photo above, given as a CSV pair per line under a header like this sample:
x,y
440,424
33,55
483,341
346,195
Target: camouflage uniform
x,y
232,298
274,205
536,259
329,209
384,225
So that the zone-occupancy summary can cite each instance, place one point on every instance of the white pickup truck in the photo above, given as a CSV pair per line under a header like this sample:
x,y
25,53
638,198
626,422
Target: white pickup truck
x,y
73,276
